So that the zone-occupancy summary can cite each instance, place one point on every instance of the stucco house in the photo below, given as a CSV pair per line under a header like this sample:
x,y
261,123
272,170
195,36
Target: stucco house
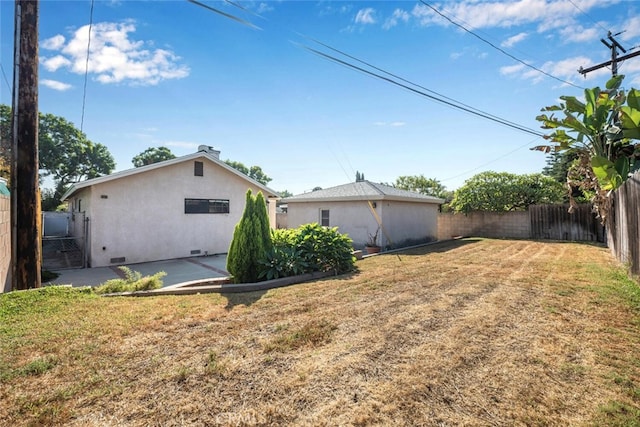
x,y
182,207
361,208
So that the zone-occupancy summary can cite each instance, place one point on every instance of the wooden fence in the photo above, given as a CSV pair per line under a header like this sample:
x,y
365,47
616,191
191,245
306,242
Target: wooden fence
x,y
623,224
554,222
547,222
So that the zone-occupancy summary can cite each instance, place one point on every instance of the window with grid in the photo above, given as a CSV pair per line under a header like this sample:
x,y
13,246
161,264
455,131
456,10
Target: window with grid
x,y
324,217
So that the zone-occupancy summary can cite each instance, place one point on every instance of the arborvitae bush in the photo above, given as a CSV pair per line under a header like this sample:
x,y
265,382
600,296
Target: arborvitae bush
x,y
251,241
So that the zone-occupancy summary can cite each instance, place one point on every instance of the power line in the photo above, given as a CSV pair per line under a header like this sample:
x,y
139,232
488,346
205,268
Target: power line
x,y
86,68
6,80
449,103
588,16
225,14
498,48
489,162
407,81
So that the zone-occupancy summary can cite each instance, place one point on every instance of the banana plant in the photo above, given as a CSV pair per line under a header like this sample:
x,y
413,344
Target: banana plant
x,y
605,128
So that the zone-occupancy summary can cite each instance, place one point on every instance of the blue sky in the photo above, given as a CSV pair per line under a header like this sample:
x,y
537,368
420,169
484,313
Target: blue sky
x,y
172,73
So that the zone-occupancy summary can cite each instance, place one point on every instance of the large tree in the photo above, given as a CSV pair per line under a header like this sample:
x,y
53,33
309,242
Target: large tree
x,y
503,192
421,184
65,154
152,155
68,156
254,172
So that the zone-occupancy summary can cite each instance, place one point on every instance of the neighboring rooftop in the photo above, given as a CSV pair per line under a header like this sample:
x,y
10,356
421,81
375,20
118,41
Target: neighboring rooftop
x,y
362,190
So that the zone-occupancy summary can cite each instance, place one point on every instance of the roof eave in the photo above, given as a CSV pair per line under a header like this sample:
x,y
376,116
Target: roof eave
x,y
133,171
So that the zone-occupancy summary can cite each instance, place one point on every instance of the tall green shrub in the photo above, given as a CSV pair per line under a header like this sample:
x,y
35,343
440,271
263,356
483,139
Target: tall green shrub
x,y
251,241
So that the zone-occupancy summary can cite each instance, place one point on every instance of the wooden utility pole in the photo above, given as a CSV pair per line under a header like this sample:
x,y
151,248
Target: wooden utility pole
x,y
26,254
613,45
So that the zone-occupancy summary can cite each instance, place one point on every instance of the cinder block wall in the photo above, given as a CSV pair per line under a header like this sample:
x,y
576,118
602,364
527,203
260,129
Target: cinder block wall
x,y
5,243
515,225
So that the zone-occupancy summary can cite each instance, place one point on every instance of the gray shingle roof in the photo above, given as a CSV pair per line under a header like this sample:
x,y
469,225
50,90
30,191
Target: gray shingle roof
x,y
362,190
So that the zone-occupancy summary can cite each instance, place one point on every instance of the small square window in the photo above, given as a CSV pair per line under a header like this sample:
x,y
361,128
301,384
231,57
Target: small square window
x,y
198,169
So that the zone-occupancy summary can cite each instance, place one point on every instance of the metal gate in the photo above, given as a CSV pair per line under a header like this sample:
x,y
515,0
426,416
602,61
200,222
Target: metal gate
x,y
64,240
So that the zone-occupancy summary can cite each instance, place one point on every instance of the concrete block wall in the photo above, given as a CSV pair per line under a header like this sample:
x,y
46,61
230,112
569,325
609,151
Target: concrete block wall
x,y
5,243
515,225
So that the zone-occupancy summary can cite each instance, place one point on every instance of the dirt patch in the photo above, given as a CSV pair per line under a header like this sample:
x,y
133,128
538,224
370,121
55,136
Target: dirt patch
x,y
472,332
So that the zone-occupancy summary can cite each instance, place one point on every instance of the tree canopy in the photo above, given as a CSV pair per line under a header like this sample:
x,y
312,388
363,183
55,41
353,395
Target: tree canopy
x,y
421,184
65,153
254,172
503,191
152,155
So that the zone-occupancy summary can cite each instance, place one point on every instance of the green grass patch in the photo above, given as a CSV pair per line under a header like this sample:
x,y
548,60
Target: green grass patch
x,y
618,414
132,282
615,283
42,301
38,366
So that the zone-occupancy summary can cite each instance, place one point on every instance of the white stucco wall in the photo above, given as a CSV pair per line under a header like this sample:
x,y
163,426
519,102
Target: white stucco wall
x,y
352,218
141,217
407,222
402,221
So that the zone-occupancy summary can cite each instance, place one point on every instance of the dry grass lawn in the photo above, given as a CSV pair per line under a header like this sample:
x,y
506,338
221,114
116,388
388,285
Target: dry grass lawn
x,y
472,332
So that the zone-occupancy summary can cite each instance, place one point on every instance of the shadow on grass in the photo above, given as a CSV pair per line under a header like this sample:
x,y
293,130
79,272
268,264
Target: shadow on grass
x,y
437,247
242,298
251,297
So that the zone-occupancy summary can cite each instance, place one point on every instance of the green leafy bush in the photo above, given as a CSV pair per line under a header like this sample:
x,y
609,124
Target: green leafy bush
x,y
308,248
283,262
133,281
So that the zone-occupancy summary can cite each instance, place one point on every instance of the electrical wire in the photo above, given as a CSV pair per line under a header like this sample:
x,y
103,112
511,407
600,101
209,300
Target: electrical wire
x,y
589,16
515,58
225,14
407,81
6,80
449,103
86,68
490,161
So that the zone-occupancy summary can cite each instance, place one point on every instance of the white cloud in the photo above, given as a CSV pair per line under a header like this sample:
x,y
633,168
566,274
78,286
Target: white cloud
x,y
473,14
566,69
55,85
390,124
579,34
53,63
511,69
264,8
513,40
398,15
366,16
114,57
632,29
53,43
181,144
